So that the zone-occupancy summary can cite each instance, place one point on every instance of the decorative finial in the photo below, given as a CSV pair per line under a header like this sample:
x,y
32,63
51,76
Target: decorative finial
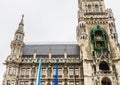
x,y
50,50
35,50
65,49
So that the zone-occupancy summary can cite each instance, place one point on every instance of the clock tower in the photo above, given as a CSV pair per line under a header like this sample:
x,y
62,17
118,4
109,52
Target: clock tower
x,y
98,41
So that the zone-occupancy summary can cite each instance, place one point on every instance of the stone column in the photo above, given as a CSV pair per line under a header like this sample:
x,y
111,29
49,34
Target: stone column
x,y
33,71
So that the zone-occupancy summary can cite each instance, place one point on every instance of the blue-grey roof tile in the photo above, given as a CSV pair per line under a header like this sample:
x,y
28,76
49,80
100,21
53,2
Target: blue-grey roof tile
x,y
56,49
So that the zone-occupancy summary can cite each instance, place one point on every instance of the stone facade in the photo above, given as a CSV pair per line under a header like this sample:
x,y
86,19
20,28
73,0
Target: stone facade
x,y
94,60
98,41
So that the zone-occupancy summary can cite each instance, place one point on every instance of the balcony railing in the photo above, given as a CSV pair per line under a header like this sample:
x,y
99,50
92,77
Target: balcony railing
x,y
53,60
104,72
61,60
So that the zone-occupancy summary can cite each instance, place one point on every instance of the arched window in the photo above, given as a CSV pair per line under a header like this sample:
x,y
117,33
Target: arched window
x,y
16,38
104,66
94,67
106,81
19,37
96,8
89,8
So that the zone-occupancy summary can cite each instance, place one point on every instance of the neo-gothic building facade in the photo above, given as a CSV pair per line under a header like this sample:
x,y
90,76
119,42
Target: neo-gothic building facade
x,y
95,58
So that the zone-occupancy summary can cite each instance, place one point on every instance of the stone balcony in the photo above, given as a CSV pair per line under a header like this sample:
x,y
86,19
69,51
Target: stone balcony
x,y
105,73
61,60
53,60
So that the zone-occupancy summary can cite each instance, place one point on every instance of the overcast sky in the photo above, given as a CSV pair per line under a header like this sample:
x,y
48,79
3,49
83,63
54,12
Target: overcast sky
x,y
45,21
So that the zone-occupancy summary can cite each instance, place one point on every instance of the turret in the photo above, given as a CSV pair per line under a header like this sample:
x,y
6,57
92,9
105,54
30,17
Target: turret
x,y
19,34
14,59
17,44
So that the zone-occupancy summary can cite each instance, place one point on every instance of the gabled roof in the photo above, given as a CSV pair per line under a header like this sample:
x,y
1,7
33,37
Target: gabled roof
x,y
56,49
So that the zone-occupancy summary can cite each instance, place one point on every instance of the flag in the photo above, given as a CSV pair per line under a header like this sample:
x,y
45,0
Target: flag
x,y
56,75
74,76
39,72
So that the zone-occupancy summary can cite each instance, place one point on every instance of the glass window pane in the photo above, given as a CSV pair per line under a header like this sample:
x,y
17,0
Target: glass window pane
x,y
26,83
89,8
10,70
43,71
27,71
71,83
14,71
77,83
59,82
96,8
21,83
42,82
54,71
59,71
76,71
71,71
23,71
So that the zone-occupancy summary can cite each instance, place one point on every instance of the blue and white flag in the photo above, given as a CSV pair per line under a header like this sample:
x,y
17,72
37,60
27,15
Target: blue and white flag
x,y
39,72
56,74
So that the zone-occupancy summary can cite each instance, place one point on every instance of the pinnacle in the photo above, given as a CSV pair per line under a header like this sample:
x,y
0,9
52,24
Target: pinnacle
x,y
21,22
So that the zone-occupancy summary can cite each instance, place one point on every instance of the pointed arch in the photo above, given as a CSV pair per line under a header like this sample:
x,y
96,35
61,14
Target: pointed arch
x,y
96,8
89,8
103,66
106,81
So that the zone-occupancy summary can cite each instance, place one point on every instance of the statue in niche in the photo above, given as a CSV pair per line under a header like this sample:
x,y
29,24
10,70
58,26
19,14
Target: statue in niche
x,y
33,71
49,70
65,69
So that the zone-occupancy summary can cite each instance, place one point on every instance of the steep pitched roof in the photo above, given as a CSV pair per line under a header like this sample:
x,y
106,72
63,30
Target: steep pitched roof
x,y
56,49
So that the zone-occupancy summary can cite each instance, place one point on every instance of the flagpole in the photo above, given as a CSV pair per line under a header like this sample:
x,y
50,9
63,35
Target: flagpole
x,y
39,72
74,76
56,74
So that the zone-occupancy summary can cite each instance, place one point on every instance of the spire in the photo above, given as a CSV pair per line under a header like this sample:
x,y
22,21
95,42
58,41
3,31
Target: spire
x,y
21,22
17,44
19,34
21,25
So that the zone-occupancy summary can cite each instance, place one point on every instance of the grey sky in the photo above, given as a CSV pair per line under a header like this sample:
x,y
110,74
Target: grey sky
x,y
45,21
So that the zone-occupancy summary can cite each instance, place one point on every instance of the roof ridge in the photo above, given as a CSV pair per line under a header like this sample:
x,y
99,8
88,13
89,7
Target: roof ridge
x,y
49,43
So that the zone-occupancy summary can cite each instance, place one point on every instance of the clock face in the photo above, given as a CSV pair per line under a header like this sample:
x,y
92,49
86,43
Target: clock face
x,y
99,40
